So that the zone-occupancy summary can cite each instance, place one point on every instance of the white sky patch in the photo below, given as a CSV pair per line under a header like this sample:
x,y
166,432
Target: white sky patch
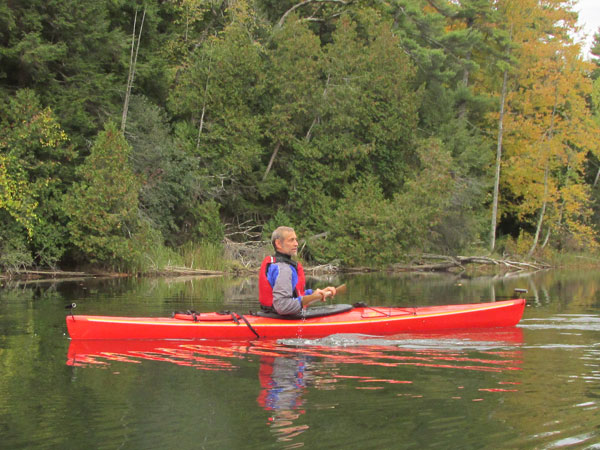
x,y
589,20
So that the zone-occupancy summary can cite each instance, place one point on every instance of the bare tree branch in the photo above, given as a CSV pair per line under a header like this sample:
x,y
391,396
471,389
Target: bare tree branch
x,y
307,2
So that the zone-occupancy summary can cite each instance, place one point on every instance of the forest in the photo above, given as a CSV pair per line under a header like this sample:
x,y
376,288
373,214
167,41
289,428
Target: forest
x,y
137,134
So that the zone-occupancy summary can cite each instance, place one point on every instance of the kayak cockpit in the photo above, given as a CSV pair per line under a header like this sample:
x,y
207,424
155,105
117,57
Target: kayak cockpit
x,y
309,313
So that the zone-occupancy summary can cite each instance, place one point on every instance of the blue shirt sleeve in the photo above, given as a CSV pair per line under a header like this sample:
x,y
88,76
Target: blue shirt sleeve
x,y
272,274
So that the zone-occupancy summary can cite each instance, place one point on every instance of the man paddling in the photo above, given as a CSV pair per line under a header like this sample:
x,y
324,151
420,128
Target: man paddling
x,y
281,279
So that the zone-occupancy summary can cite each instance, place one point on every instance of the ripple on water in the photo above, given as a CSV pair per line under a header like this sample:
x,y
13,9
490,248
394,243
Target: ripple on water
x,y
476,341
580,322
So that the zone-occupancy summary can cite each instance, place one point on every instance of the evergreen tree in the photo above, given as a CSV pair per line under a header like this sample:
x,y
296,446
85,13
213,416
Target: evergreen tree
x,y
70,54
171,179
216,99
366,119
294,89
103,205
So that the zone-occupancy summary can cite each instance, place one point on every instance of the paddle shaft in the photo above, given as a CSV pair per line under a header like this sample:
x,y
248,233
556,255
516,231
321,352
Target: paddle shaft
x,y
311,298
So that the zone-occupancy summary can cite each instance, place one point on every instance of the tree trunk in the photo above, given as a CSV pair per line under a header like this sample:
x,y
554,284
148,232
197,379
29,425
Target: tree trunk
x,y
542,212
132,64
201,126
498,163
316,119
563,203
547,238
546,174
271,160
462,110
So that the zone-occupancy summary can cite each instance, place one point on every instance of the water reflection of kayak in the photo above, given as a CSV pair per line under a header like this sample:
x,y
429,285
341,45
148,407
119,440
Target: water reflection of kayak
x,y
221,354
319,322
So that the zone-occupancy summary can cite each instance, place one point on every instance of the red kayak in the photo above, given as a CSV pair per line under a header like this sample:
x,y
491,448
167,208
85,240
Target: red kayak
x,y
318,322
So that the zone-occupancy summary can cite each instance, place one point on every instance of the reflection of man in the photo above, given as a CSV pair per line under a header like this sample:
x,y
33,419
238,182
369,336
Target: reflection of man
x,y
281,280
283,382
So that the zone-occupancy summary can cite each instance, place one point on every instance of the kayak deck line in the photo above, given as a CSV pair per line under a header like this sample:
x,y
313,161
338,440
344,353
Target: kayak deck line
x,y
415,311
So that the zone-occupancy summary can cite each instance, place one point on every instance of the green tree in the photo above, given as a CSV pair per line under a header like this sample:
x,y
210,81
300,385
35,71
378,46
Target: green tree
x,y
17,214
39,155
362,228
425,205
70,54
367,228
216,100
103,205
294,89
171,179
364,123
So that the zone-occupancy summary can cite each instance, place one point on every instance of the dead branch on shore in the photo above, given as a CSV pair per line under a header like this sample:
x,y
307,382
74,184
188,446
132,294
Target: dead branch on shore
x,y
249,254
448,263
45,274
182,271
323,268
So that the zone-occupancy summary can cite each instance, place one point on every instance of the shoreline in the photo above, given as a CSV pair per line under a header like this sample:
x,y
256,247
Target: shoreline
x,y
467,267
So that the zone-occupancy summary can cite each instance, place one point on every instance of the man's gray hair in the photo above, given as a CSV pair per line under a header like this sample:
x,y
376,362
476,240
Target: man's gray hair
x,y
280,233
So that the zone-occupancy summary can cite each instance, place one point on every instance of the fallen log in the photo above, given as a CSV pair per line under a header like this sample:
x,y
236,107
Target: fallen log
x,y
458,262
174,270
47,274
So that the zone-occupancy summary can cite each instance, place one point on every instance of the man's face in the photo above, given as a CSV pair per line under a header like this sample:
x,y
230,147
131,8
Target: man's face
x,y
288,245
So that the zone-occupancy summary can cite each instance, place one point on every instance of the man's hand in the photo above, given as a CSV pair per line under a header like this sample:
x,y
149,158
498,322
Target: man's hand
x,y
322,294
329,291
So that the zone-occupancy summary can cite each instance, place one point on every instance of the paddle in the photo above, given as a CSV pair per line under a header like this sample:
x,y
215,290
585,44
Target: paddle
x,y
311,298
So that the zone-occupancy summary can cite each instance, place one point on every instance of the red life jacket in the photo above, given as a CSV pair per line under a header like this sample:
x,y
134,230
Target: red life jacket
x,y
265,290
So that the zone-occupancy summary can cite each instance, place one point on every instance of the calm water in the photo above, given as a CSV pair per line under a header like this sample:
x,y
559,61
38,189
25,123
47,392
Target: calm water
x,y
533,386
